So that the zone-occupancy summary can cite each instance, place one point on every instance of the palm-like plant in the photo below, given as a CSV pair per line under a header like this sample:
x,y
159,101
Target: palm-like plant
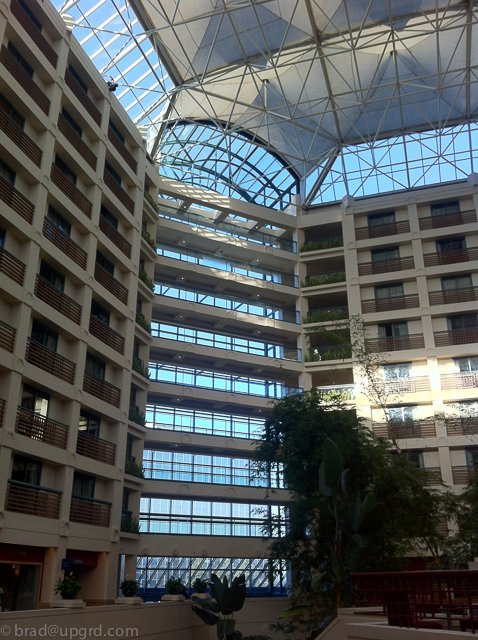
x,y
220,613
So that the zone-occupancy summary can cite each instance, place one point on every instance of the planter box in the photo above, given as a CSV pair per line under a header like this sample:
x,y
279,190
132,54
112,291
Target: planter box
x,y
126,600
68,604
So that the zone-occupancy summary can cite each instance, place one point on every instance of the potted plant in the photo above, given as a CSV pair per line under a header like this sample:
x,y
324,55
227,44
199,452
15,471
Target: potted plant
x,y
174,586
68,587
200,585
129,587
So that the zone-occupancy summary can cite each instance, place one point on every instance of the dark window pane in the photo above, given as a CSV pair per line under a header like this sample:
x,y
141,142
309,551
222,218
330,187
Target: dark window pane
x,y
381,255
26,470
451,244
77,78
90,424
100,312
456,282
105,263
113,173
11,111
59,221
445,208
20,59
117,131
376,219
83,485
3,234
65,169
95,366
32,17
109,216
35,400
389,291
7,173
76,127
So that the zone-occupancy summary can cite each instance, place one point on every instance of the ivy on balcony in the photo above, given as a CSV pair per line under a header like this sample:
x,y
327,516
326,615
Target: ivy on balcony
x,y
140,368
151,200
129,524
137,416
143,276
132,468
141,320
147,236
326,243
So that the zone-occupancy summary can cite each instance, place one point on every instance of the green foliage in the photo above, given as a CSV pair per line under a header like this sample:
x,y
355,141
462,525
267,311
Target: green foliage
x,y
137,416
129,587
68,585
147,236
326,243
200,585
326,316
338,352
325,278
141,320
143,276
140,368
130,524
132,468
174,585
228,599
152,201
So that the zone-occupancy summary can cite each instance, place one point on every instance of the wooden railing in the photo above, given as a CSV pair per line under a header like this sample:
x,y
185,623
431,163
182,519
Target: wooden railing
x,y
122,150
95,448
450,257
106,335
456,337
385,266
82,97
20,138
58,300
2,411
71,192
119,192
462,426
453,296
101,389
379,231
37,37
111,284
24,80
402,430
11,266
407,385
90,511
377,305
76,142
395,343
37,427
64,243
7,336
465,380
449,220
32,500
16,201
115,237
49,361
461,475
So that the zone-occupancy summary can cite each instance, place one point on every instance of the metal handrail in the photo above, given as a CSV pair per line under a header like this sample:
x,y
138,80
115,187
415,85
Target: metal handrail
x,y
37,487
96,500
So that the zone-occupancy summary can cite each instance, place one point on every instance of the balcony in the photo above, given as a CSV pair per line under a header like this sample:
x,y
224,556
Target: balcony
x,y
119,192
24,80
37,427
70,191
34,33
11,267
128,523
403,430
327,277
64,243
95,448
141,320
320,244
82,97
16,201
450,220
342,392
330,352
20,138
395,343
386,266
76,142
330,314
32,500
461,475
90,511
132,468
377,305
450,257
111,284
382,230
41,357
462,426
57,300
136,416
7,336
2,411
465,380
115,237
139,367
407,385
453,296
122,150
456,337
101,389
106,335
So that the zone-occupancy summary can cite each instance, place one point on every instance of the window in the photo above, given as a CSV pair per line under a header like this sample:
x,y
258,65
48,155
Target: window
x,y
116,177
466,321
451,283
3,233
117,131
77,78
399,370
105,263
466,365
384,291
65,169
445,208
26,470
109,217
416,458
393,329
7,173
11,112
20,59
59,221
44,336
377,219
89,423
35,400
95,366
382,255
52,276
83,486
450,244
402,414
73,124
100,312
32,17
472,458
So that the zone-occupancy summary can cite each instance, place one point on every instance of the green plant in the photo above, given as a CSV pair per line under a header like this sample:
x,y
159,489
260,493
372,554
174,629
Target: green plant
x,y
174,585
129,525
151,200
326,243
141,320
68,586
132,468
137,416
326,316
147,236
143,276
228,599
324,278
129,587
200,585
140,368
339,352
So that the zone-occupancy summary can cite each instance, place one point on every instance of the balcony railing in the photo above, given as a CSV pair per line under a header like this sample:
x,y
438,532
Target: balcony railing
x,y
70,191
330,352
24,80
41,357
115,237
16,201
403,430
381,230
59,238
407,385
20,138
11,267
122,150
376,305
453,296
330,314
57,300
111,284
385,266
461,475
119,192
465,380
90,511
95,448
450,257
76,142
395,343
448,220
82,97
2,411
107,335
37,37
327,277
32,500
462,426
456,337
101,389
341,392
7,336
37,427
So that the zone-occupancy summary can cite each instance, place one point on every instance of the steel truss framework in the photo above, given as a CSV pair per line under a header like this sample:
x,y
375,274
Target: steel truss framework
x,y
342,96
